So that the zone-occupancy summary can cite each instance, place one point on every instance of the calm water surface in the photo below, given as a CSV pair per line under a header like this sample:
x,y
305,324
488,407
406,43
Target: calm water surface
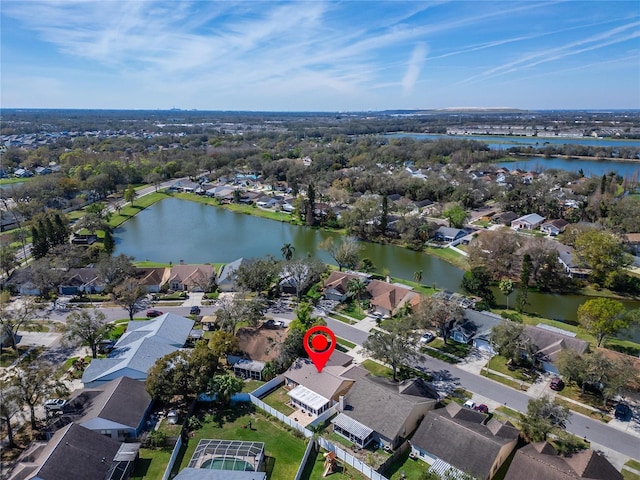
x,y
174,230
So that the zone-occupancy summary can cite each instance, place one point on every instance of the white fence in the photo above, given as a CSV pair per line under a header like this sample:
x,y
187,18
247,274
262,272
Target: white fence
x,y
325,415
267,387
280,416
305,458
172,459
350,460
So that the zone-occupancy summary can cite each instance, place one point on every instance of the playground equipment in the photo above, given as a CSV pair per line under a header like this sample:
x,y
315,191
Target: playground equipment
x,y
330,463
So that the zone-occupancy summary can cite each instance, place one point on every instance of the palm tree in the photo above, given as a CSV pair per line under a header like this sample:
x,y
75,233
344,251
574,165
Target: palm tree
x,y
506,287
287,251
417,275
356,288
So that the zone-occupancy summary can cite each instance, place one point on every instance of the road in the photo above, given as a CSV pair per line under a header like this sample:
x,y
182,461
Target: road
x,y
580,425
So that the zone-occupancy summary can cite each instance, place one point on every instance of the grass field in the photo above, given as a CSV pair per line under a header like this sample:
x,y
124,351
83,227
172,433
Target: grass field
x,y
278,399
377,369
315,468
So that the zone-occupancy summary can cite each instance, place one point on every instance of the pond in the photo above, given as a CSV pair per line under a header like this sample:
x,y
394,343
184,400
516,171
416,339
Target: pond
x,y
176,230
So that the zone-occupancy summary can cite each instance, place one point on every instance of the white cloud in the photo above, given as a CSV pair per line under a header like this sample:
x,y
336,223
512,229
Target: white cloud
x,y
413,69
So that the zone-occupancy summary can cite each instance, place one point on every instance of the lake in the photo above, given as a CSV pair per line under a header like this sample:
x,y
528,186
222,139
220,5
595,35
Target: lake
x,y
589,167
176,230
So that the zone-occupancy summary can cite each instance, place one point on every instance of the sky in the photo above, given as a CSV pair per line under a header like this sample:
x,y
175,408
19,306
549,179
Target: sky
x,y
320,55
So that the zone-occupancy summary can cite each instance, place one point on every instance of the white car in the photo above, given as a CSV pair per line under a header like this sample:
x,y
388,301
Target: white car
x,y
427,337
55,404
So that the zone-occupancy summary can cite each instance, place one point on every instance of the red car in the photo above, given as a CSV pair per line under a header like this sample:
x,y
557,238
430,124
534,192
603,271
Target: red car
x,y
482,408
153,313
556,384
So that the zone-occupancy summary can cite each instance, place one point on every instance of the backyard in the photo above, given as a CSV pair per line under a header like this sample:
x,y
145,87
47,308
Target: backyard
x,y
315,468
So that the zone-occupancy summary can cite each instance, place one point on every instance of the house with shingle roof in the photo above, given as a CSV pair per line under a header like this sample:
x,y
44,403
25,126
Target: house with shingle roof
x,y
74,453
504,218
404,404
139,348
151,278
541,460
458,437
389,298
192,278
227,277
554,227
86,279
336,286
550,341
117,409
527,222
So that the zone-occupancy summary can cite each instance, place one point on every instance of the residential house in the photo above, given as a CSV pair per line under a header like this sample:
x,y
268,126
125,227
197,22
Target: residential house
x,y
22,282
22,173
572,266
554,227
139,348
504,218
76,453
84,239
192,278
118,408
82,280
376,409
476,328
460,438
227,277
388,298
266,202
527,222
541,460
151,278
633,242
336,286
42,170
549,342
448,234
245,367
314,392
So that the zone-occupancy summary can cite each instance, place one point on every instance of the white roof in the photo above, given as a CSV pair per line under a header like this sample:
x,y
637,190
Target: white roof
x,y
308,397
352,426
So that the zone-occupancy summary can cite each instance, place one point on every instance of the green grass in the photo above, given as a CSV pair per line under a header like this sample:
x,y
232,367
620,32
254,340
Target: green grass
x,y
452,348
150,264
139,204
278,399
633,464
377,369
345,343
251,385
351,309
283,449
583,410
574,392
342,318
315,468
448,255
499,364
505,381
152,464
413,469
439,355
627,475
8,181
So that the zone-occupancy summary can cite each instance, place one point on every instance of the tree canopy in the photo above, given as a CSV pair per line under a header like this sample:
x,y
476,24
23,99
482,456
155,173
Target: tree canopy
x,y
603,317
396,347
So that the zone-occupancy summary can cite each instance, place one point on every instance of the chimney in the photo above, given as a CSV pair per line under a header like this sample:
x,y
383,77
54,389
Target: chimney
x,y
341,403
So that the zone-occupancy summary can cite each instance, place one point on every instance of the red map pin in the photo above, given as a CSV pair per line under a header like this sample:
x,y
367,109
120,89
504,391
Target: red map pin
x,y
319,342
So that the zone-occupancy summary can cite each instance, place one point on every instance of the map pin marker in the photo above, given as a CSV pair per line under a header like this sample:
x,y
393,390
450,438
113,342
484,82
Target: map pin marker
x,y
319,342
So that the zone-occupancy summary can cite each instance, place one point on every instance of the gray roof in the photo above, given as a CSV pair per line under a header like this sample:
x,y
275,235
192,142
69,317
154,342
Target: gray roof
x,y
531,218
206,474
541,460
75,453
448,231
140,347
458,436
124,401
329,383
370,396
227,274
550,343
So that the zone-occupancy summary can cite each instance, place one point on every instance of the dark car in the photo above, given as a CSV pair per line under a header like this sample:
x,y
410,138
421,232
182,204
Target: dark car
x,y
481,408
556,384
623,412
195,310
153,313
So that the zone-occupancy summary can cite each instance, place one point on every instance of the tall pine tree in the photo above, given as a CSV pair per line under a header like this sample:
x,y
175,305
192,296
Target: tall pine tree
x,y
523,293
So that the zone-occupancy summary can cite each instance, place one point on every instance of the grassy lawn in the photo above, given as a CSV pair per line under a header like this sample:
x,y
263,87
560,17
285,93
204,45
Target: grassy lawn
x,y
377,369
152,464
572,391
9,355
139,204
251,385
453,348
448,255
439,355
583,410
278,399
342,318
351,309
283,449
345,343
505,381
627,475
315,468
633,464
499,364
412,468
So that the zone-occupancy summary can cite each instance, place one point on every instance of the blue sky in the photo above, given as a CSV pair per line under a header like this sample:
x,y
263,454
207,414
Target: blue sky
x,y
320,56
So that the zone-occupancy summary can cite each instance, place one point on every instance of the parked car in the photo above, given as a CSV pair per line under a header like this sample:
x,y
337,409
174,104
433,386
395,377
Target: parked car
x,y
470,404
153,313
195,310
271,323
623,412
172,417
105,346
427,337
481,408
55,404
556,384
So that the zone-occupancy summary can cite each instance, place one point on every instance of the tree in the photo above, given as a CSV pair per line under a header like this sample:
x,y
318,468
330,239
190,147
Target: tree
x,y
258,275
456,215
543,415
356,289
601,252
224,387
510,341
384,214
35,382
417,276
477,281
233,311
9,406
522,299
129,295
287,251
603,317
395,347
300,273
438,313
183,372
345,252
129,194
304,319
108,242
87,328
115,269
310,206
495,251
506,287
14,316
223,343
8,260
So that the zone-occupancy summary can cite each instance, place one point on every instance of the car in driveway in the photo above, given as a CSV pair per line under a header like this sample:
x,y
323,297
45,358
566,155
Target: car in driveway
x,y
470,404
623,412
427,337
271,323
153,313
556,384
481,408
55,404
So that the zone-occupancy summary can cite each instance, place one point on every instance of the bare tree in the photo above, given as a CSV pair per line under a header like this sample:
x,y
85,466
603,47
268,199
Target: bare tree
x,y
299,273
434,312
9,406
346,252
232,312
129,295
87,328
15,315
